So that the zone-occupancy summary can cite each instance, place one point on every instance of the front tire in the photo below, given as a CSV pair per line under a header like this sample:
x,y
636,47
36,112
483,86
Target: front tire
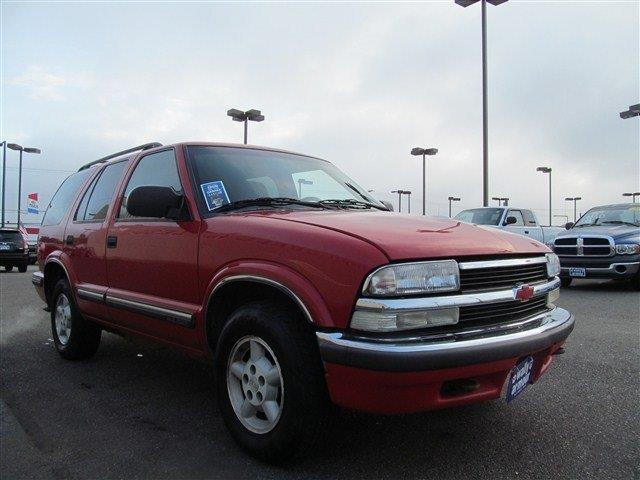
x,y
270,382
635,282
74,337
22,268
565,281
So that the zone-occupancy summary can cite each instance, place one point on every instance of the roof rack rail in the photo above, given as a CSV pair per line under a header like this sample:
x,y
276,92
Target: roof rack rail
x,y
144,146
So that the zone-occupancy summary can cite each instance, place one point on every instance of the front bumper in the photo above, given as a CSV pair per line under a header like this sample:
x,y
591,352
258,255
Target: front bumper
x,y
37,279
415,373
607,269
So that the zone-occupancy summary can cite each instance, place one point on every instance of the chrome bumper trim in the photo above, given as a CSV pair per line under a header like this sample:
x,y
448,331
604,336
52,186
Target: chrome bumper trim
x,y
91,295
37,279
175,316
409,354
426,303
632,268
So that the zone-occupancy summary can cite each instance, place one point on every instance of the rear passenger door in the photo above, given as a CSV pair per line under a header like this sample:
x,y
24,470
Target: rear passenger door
x,y
152,263
85,239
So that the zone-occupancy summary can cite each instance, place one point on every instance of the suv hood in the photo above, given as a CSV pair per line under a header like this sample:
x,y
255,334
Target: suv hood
x,y
402,237
617,232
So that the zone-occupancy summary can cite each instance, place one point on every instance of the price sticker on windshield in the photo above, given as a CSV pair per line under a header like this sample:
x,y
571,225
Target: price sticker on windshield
x,y
215,195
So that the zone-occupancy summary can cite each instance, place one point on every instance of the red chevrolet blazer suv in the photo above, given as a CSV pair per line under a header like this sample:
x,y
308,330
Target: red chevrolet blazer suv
x,y
301,288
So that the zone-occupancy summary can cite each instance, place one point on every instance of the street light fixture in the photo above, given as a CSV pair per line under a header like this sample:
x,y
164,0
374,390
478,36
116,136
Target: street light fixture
x,y
575,201
15,146
500,200
634,111
4,177
417,151
452,199
547,170
399,192
485,121
240,116
408,194
634,195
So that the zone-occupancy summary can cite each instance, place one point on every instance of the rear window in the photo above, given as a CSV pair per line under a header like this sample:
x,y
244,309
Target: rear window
x,y
8,236
63,198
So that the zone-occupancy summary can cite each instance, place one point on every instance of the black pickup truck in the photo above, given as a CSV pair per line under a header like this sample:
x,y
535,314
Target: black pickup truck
x,y
603,243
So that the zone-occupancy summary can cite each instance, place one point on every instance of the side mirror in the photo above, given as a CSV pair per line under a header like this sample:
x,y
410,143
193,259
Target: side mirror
x,y
155,202
387,204
568,225
510,220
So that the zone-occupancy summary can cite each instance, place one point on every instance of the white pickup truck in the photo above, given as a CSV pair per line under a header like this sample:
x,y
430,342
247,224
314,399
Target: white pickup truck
x,y
511,219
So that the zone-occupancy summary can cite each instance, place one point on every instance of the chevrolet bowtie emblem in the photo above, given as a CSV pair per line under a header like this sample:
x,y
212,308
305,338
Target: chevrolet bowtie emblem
x,y
523,293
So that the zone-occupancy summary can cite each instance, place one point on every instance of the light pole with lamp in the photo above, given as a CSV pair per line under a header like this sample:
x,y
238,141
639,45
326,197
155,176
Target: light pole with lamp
x,y
399,192
417,151
240,116
452,199
15,146
575,201
634,111
408,194
633,195
4,177
547,170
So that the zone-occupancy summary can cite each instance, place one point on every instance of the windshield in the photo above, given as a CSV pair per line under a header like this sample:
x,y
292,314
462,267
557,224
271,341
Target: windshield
x,y
10,236
613,215
480,216
227,175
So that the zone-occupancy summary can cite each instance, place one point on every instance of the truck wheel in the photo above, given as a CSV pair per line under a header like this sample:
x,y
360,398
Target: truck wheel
x,y
565,281
270,381
8,268
635,281
22,268
75,338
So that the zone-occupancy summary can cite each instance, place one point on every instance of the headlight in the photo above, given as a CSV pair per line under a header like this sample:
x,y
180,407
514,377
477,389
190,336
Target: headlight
x,y
553,265
627,249
412,278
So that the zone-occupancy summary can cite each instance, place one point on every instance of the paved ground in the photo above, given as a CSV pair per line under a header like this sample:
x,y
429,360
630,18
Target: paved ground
x,y
143,412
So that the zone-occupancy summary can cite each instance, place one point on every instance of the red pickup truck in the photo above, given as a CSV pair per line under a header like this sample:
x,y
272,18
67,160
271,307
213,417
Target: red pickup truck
x,y
300,287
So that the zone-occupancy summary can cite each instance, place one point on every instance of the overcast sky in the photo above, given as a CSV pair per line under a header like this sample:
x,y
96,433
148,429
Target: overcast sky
x,y
356,83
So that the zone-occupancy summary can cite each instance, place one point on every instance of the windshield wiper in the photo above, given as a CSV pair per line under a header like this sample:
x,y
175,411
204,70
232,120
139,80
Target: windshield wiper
x,y
351,203
266,202
621,222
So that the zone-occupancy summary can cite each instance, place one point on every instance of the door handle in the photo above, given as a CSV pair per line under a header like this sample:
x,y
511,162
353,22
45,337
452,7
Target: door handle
x,y
112,241
527,232
69,240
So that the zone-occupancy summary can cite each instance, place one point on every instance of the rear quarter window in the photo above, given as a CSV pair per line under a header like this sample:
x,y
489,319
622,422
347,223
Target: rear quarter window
x,y
64,196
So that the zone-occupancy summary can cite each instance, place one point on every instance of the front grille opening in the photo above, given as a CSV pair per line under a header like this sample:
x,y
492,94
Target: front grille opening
x,y
461,386
596,241
499,278
566,241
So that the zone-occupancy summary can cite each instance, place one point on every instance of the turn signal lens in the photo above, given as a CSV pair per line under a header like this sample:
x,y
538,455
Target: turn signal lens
x,y
393,322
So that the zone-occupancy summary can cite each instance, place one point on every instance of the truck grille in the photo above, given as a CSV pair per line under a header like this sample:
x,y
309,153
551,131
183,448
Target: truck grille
x,y
503,312
584,246
499,278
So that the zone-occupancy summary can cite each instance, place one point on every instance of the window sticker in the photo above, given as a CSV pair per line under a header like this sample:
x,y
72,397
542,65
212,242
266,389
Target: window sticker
x,y
214,194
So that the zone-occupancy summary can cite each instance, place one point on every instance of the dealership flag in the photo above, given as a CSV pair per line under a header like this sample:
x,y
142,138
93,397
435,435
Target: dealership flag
x,y
32,204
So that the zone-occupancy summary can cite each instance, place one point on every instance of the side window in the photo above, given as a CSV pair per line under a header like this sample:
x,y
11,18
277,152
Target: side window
x,y
101,194
519,219
64,197
157,169
529,219
82,208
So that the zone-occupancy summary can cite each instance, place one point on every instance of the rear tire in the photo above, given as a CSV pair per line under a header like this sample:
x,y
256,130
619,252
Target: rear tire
x,y
75,338
270,381
565,281
22,268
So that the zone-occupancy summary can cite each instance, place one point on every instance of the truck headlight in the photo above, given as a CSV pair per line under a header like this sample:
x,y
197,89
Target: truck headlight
x,y
553,265
414,278
627,249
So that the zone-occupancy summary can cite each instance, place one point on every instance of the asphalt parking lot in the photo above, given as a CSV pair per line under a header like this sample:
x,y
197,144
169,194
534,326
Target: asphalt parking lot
x,y
140,411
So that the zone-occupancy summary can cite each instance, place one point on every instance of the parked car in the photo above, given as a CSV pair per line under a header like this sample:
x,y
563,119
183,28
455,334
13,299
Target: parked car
x,y
14,251
603,243
301,292
517,220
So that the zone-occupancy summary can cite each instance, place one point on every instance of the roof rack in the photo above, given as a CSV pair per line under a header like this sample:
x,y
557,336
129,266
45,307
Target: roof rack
x,y
144,146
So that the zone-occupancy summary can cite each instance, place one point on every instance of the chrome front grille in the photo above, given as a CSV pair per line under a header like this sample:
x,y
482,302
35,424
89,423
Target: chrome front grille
x,y
494,313
587,246
501,274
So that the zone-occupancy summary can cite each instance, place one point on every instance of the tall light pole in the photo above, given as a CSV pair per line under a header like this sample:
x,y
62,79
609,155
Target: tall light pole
x,y
485,120
452,199
417,151
399,192
634,195
4,176
547,170
575,201
240,116
634,111
408,194
500,200
15,146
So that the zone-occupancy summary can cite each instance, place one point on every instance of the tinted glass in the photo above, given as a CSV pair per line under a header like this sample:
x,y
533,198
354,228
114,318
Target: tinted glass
x,y
517,214
529,219
157,169
102,193
481,216
64,197
236,174
611,215
82,208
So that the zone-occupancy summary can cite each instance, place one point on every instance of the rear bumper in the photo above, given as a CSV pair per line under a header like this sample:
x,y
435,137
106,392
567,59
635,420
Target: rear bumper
x,y
618,270
14,259
409,375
